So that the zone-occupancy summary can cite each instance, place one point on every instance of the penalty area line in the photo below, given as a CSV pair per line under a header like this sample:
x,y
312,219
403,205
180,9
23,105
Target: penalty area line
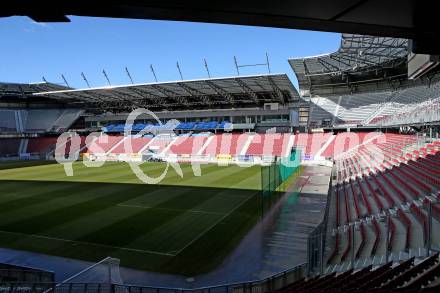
x,y
169,209
213,225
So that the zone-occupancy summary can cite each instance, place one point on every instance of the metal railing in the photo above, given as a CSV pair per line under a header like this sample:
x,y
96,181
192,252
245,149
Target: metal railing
x,y
269,284
316,241
428,111
9,273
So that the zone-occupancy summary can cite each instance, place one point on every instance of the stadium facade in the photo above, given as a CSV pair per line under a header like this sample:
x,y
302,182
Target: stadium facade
x,y
356,112
365,83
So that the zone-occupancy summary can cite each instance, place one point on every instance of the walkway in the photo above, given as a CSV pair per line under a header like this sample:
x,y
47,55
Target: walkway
x,y
275,244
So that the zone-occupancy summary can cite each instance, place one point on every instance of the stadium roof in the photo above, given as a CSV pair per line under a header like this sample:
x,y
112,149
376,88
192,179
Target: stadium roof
x,y
25,89
189,94
397,18
358,59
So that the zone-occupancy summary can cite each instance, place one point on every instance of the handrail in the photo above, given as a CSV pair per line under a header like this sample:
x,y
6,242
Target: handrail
x,y
78,274
268,281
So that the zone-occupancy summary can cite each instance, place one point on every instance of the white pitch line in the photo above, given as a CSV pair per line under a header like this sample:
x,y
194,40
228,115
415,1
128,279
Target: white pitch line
x,y
87,243
167,209
213,225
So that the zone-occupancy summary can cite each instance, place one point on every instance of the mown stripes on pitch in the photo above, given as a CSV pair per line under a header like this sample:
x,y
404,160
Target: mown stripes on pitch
x,y
99,211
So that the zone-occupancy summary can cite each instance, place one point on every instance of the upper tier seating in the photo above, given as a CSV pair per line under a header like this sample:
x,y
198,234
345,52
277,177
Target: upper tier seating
x,y
206,125
50,119
37,120
66,119
7,121
426,112
323,109
385,107
343,109
187,126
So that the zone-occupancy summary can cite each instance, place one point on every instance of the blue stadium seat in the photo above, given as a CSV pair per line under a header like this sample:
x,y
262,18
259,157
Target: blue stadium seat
x,y
138,126
223,124
118,127
109,128
185,126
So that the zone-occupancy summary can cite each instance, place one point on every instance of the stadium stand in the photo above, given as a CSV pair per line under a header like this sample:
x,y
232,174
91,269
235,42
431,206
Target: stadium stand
x,y
407,276
355,152
37,120
136,145
427,111
183,126
369,98
41,145
9,147
160,144
226,144
47,120
366,156
209,146
103,144
65,120
398,193
8,121
186,145
41,120
313,143
374,107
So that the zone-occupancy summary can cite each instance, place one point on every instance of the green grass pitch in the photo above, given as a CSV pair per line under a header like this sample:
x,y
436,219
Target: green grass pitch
x,y
183,225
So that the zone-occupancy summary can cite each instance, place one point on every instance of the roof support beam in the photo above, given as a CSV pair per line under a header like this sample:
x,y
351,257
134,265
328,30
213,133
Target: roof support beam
x,y
220,91
247,89
197,93
337,58
170,94
141,98
276,89
157,100
194,93
132,99
327,65
350,59
80,96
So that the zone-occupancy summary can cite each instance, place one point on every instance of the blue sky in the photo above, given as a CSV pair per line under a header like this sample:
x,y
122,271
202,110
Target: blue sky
x,y
31,50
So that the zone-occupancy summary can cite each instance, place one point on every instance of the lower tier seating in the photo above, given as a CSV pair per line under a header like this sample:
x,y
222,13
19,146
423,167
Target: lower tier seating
x,y
386,213
407,276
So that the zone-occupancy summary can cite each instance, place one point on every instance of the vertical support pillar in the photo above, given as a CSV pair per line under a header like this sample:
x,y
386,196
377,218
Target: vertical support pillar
x,y
428,241
352,245
321,250
387,236
109,271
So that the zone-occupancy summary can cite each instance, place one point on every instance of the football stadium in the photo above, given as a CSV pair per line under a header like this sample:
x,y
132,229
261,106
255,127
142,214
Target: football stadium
x,y
247,183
